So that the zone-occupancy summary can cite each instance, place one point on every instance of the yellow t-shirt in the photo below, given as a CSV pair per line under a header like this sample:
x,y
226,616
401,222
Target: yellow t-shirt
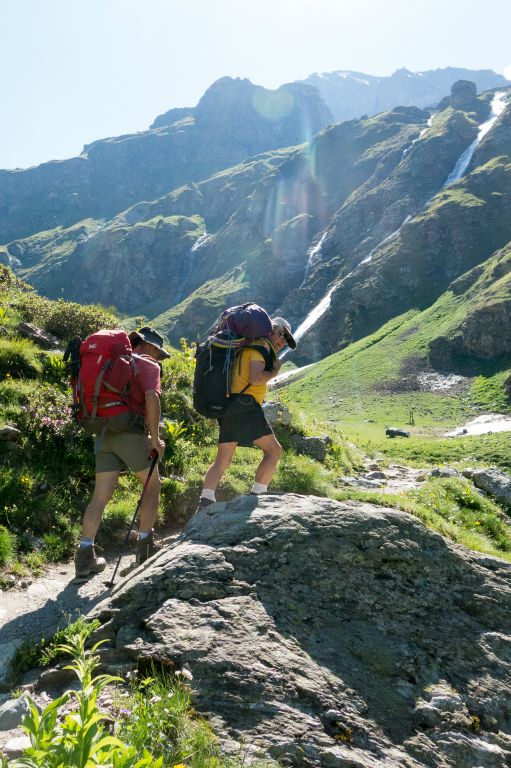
x,y
241,371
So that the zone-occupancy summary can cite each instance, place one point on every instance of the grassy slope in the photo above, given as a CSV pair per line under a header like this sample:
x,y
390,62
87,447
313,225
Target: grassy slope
x,y
373,383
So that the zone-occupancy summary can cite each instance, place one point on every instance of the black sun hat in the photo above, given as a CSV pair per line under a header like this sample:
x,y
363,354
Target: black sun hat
x,y
150,336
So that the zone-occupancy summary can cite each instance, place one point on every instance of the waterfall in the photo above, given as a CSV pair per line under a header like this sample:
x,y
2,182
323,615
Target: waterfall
x,y
498,105
419,137
189,265
200,241
320,309
313,255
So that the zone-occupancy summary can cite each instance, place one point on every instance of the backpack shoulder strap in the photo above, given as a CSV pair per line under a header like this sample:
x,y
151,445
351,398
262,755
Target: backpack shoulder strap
x,y
268,354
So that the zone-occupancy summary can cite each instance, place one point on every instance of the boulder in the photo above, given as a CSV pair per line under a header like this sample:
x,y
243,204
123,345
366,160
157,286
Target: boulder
x,y
364,483
444,472
9,433
315,447
16,746
8,652
495,482
12,713
38,336
329,634
395,432
276,413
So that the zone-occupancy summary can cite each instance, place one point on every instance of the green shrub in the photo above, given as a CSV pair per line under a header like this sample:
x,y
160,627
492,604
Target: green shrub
x,y
46,418
300,474
7,545
65,319
19,358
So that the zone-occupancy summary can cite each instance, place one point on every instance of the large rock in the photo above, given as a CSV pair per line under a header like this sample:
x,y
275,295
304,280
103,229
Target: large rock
x,y
494,482
330,634
12,713
39,336
277,413
315,447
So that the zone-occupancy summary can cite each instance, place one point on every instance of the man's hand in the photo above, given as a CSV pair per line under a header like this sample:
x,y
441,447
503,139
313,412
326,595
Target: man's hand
x,y
157,445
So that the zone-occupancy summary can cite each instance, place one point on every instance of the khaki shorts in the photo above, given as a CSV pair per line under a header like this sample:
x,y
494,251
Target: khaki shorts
x,y
123,450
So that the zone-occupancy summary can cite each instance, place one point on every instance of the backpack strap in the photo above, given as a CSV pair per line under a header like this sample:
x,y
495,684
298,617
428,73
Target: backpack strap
x,y
268,354
97,387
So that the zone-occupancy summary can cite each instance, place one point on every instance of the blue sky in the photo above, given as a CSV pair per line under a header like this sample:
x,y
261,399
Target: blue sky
x,y
78,70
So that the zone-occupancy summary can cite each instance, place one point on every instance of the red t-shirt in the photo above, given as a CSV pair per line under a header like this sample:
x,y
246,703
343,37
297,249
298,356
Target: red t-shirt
x,y
147,377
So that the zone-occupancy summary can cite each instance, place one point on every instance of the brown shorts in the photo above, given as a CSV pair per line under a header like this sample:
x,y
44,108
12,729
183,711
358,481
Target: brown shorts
x,y
123,450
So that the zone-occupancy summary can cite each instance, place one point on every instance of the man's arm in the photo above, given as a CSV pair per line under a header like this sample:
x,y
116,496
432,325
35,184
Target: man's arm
x,y
152,408
257,373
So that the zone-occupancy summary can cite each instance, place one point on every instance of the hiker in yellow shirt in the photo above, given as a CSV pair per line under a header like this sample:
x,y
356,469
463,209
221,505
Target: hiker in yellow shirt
x,y
247,425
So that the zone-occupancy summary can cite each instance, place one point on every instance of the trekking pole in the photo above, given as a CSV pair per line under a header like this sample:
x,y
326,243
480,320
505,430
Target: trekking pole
x,y
154,456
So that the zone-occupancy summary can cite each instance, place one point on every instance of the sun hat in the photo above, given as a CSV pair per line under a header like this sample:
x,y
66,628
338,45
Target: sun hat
x,y
150,336
285,329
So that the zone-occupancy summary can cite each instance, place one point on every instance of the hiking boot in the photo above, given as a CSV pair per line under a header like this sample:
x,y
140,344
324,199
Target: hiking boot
x,y
203,503
87,563
146,548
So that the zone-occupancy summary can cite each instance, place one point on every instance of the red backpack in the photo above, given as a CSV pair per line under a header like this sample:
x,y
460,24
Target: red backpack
x,y
101,370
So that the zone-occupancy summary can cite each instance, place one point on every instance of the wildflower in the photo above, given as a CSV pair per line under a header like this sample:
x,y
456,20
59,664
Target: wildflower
x,y
155,699
477,522
179,765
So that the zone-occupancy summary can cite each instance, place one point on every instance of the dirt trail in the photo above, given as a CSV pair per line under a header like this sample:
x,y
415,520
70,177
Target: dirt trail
x,y
55,599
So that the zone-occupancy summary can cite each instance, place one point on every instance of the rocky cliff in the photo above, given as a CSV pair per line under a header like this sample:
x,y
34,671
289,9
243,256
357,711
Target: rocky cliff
x,y
329,634
233,121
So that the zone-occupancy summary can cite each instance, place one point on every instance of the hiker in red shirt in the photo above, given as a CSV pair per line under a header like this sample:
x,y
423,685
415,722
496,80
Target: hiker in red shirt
x,y
118,451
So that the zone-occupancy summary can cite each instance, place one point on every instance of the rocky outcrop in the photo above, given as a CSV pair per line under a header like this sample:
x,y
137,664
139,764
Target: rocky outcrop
x,y
495,482
39,336
463,94
329,634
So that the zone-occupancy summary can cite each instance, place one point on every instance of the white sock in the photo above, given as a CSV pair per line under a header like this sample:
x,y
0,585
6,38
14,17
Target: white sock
x,y
259,488
86,543
207,493
143,535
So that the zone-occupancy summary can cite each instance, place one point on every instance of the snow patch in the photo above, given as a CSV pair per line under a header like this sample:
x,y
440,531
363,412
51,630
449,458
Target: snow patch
x,y
483,425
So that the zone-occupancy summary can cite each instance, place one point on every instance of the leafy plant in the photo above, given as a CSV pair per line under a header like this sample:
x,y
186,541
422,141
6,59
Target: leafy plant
x,y
42,652
78,737
55,370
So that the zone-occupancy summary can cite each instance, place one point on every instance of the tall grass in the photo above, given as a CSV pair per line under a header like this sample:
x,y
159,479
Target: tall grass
x,y
7,545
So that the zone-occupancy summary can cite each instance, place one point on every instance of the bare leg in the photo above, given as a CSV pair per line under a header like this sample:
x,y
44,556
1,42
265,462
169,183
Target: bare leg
x,y
104,487
272,450
224,455
149,506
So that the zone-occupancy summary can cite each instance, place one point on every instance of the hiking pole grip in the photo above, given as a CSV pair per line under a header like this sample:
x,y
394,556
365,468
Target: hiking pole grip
x,y
154,460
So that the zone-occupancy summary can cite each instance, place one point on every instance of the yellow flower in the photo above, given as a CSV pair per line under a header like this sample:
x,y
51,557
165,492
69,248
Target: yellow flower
x,y
180,765
477,522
